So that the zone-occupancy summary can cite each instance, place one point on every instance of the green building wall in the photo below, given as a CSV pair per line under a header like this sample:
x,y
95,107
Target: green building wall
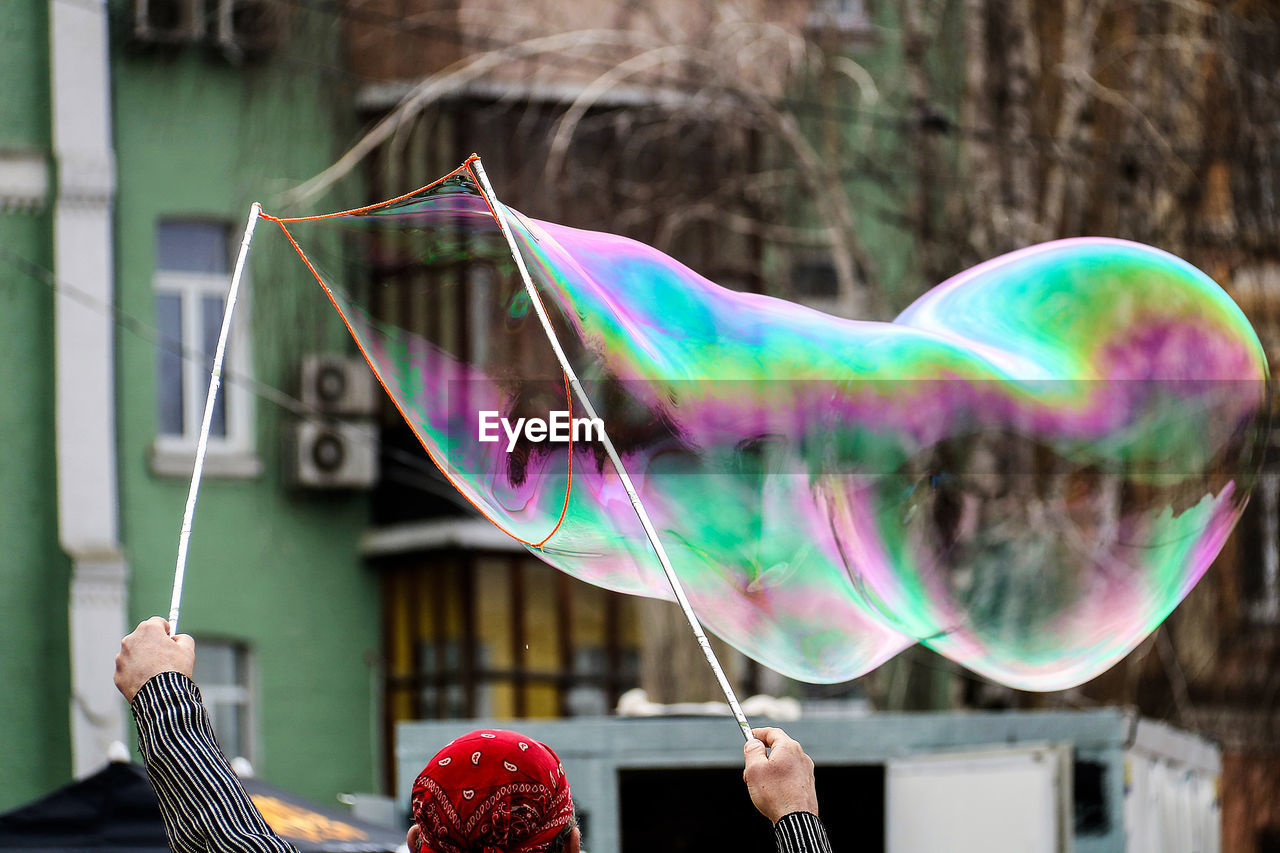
x,y
34,669
198,136
195,135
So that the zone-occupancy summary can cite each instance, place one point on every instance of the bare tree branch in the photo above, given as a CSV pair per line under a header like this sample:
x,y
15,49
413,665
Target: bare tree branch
x,y
439,85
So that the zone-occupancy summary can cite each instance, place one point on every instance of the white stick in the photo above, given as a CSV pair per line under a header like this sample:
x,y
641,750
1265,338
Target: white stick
x,y
215,382
636,504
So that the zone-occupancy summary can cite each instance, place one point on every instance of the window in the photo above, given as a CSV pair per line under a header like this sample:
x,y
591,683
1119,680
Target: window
x,y
193,270
846,18
222,671
473,634
1259,562
500,635
440,672
588,694
814,282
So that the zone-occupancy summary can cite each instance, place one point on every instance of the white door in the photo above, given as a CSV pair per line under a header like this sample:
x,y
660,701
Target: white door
x,y
998,800
1170,808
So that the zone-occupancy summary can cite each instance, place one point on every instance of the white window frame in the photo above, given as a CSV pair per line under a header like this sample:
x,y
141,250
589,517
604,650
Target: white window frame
x,y
232,455
236,694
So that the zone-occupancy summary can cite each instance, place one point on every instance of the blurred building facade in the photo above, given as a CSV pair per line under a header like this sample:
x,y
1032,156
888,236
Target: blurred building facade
x,y
1157,123
849,154
948,133
135,137
641,120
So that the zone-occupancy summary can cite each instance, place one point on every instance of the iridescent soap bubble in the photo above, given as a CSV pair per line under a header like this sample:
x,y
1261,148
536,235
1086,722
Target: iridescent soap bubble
x,y
1026,471
1066,507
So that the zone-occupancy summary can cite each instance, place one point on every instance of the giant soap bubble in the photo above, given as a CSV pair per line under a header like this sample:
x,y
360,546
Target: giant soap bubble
x,y
1026,471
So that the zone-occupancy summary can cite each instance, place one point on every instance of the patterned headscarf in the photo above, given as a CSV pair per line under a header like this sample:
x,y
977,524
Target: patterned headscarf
x,y
492,791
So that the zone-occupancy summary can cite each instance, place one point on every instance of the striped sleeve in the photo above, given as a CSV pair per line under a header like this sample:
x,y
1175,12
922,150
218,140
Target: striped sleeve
x,y
801,832
204,806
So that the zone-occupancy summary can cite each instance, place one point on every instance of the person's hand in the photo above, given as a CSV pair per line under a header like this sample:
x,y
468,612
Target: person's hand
x,y
780,782
149,651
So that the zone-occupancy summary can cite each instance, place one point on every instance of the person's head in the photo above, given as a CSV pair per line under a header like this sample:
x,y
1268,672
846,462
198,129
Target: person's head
x,y
493,791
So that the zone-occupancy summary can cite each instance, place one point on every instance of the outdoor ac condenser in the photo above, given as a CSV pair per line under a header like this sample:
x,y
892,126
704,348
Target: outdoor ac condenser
x,y
341,454
335,444
333,385
249,29
168,21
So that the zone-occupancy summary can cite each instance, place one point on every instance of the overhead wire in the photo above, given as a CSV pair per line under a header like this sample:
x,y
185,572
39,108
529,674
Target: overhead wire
x,y
892,120
264,391
414,471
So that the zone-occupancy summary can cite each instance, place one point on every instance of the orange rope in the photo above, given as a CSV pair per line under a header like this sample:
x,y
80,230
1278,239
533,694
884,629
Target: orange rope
x,y
568,396
368,207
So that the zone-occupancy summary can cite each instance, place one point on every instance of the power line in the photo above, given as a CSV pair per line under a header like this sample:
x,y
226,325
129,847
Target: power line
x,y
414,463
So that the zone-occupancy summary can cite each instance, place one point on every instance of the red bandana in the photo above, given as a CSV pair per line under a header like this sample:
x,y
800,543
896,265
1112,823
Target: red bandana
x,y
491,791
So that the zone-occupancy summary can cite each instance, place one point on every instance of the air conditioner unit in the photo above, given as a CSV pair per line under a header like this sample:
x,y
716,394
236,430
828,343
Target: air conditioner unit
x,y
249,29
168,21
334,385
333,455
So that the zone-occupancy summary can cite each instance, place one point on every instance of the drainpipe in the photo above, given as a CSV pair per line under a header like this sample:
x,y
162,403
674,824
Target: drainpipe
x,y
84,370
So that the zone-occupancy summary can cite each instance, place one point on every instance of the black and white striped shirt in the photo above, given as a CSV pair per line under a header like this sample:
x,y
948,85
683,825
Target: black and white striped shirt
x,y
204,806
801,832
206,809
